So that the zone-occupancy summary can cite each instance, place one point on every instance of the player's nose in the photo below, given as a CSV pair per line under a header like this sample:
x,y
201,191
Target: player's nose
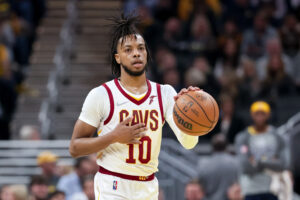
x,y
136,53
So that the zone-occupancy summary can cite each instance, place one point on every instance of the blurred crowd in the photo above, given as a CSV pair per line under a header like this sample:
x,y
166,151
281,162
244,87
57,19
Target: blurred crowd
x,y
56,181
19,20
259,167
256,166
239,51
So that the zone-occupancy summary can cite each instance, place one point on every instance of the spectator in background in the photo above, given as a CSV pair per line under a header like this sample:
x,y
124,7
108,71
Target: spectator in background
x,y
234,192
172,33
249,84
229,59
230,32
211,11
201,38
71,183
19,192
165,60
172,78
200,74
277,82
47,160
254,40
88,189
216,188
38,188
6,193
289,35
150,29
273,50
194,191
57,195
274,10
259,150
230,123
229,84
29,132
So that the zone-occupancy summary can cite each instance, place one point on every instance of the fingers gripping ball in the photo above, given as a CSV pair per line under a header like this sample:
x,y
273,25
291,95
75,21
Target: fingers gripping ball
x,y
196,113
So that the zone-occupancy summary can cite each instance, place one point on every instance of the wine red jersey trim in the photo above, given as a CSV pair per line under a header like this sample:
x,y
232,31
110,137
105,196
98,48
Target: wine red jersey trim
x,y
137,102
111,102
160,102
125,176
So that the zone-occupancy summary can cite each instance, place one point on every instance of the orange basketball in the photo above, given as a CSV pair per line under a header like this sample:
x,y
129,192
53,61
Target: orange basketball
x,y
196,113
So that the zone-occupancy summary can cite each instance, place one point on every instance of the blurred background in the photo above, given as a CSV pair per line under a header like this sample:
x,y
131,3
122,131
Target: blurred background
x,y
52,53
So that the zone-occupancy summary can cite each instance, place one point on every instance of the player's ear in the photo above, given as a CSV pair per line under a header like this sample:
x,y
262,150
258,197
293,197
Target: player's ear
x,y
117,57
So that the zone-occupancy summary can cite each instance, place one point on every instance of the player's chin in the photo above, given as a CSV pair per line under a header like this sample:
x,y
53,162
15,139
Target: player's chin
x,y
138,69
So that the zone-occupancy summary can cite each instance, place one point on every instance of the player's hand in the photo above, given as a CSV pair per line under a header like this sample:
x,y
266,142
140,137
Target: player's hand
x,y
184,91
129,134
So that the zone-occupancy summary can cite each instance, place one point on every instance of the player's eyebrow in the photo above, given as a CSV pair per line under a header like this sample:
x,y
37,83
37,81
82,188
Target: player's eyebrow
x,y
141,44
127,46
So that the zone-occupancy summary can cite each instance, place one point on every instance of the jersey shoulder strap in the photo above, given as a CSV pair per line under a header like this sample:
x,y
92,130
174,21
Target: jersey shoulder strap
x,y
111,102
158,88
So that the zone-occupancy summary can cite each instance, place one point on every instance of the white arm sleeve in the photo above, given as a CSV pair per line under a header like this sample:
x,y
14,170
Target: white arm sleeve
x,y
93,107
168,94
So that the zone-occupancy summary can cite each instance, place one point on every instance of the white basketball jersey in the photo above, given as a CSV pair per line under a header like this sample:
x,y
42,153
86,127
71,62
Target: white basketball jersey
x,y
107,105
133,159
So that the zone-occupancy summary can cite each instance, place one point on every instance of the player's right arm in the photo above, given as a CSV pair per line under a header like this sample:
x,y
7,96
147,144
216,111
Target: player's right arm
x,y
82,142
93,111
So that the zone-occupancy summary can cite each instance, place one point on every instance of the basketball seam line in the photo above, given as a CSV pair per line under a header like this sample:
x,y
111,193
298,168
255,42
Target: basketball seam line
x,y
201,109
191,119
213,106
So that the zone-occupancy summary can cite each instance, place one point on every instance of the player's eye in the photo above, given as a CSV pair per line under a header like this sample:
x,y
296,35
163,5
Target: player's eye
x,y
141,48
127,50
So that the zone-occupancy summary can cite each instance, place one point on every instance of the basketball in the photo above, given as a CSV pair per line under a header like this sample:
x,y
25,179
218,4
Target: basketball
x,y
196,113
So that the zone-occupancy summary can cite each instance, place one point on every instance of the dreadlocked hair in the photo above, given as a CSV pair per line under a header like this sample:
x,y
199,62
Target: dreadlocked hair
x,y
122,27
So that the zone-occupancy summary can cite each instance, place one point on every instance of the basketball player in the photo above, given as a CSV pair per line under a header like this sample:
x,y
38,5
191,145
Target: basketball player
x,y
128,114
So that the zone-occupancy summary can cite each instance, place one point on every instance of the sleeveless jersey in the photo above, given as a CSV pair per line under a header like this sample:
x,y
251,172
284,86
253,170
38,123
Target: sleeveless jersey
x,y
107,105
132,159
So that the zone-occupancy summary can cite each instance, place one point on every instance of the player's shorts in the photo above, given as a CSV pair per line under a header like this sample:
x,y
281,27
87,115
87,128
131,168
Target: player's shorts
x,y
110,187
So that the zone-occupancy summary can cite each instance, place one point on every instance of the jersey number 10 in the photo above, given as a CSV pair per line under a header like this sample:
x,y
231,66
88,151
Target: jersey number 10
x,y
132,160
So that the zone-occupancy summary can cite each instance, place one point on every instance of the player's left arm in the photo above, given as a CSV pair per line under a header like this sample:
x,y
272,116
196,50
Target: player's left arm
x,y
169,96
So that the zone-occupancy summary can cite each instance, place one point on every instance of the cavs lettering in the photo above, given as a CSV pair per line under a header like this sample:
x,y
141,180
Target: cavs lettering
x,y
132,159
148,117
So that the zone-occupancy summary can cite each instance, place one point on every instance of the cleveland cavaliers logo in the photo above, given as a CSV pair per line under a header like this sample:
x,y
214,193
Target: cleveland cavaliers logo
x,y
151,99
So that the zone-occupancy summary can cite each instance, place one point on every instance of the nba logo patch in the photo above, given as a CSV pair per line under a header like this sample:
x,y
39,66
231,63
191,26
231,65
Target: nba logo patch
x,y
115,185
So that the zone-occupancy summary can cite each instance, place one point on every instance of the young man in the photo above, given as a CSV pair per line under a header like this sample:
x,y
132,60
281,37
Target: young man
x,y
128,114
261,151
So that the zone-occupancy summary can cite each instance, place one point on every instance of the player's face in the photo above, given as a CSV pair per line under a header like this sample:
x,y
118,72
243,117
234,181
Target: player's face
x,y
132,55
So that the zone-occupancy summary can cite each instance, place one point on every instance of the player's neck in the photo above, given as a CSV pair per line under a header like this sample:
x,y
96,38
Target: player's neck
x,y
134,84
